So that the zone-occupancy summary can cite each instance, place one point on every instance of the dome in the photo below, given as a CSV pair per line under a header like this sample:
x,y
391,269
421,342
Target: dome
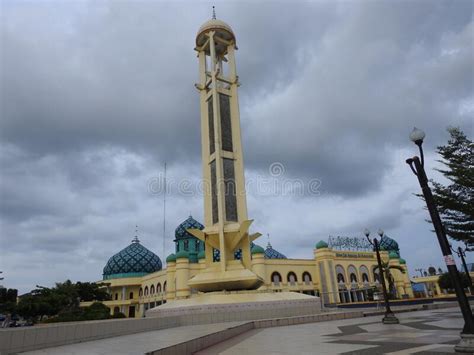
x,y
181,231
389,244
403,261
182,254
393,255
322,244
171,258
132,261
271,253
257,249
220,27
202,254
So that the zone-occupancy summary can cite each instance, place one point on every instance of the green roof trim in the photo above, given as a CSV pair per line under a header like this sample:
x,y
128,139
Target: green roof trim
x,y
403,261
125,275
393,255
171,258
201,255
322,245
182,254
257,249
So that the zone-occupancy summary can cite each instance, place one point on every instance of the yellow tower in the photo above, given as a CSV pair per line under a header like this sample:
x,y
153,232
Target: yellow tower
x,y
225,206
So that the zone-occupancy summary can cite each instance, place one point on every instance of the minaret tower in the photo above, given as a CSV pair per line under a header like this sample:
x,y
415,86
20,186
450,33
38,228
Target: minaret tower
x,y
225,206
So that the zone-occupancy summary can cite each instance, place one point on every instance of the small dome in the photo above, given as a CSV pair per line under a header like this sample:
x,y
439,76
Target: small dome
x,y
171,258
402,261
389,244
220,27
181,231
132,261
201,255
393,255
182,254
322,244
271,253
257,249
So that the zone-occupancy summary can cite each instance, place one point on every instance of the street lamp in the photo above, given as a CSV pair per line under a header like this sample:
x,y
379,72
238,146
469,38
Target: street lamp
x,y
417,167
389,317
462,254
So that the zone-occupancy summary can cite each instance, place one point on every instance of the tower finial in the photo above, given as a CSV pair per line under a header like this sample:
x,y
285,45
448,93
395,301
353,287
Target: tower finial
x,y
213,12
135,239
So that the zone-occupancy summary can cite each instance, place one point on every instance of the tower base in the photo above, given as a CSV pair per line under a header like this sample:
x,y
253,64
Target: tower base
x,y
215,307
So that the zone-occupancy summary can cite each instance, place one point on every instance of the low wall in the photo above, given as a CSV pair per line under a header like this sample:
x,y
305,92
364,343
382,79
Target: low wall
x,y
15,340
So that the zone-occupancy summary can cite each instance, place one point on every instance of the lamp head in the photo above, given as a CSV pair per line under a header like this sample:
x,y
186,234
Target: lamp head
x,y
417,136
380,232
366,232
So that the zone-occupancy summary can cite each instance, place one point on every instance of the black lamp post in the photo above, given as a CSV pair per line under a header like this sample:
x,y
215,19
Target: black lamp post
x,y
417,166
461,252
389,317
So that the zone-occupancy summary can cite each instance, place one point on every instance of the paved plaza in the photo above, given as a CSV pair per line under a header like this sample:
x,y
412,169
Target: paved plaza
x,y
422,332
426,332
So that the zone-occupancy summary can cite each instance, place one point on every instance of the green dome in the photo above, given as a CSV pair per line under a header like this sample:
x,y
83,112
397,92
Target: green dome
x,y
132,261
393,255
202,254
182,254
257,249
171,258
402,261
322,244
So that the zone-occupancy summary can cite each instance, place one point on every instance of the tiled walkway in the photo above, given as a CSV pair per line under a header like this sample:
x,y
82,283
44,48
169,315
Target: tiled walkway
x,y
427,332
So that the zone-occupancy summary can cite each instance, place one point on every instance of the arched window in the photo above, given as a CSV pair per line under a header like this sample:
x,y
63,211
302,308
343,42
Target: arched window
x,y
116,296
164,286
158,288
364,273
353,277
276,278
307,278
291,278
140,293
116,310
376,274
130,296
186,245
146,290
341,274
152,290
340,278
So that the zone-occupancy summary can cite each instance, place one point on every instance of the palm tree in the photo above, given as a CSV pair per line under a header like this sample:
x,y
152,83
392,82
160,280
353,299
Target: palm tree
x,y
388,276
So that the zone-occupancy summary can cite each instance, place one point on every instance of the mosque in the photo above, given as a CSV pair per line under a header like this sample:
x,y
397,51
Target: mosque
x,y
137,281
222,256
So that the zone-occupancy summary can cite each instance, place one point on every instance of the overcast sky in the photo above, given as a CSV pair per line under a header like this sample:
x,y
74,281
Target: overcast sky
x,y
97,95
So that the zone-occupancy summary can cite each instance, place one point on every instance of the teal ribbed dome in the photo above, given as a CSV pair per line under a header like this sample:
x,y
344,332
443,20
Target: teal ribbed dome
x,y
393,255
257,249
181,230
389,244
182,254
202,254
322,244
402,261
171,258
132,261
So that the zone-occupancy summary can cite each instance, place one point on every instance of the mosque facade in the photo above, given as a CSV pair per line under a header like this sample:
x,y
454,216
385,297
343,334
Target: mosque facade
x,y
340,271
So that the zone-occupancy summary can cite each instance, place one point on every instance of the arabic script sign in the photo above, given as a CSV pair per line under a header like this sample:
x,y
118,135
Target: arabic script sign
x,y
349,243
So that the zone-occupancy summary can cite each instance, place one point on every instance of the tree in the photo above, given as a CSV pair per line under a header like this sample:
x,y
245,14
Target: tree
x,y
445,282
456,201
388,276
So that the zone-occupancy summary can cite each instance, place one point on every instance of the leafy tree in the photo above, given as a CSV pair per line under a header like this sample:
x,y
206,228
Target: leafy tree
x,y
388,276
456,201
446,283
8,300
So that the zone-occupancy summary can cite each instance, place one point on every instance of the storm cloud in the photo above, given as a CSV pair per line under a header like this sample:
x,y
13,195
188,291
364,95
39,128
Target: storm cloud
x,y
97,96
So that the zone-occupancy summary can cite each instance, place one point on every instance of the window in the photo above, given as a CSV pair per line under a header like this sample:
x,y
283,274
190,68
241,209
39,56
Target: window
x,y
340,278
116,296
140,293
291,278
276,278
152,290
186,245
158,288
130,296
164,286
353,277
146,290
307,278
365,277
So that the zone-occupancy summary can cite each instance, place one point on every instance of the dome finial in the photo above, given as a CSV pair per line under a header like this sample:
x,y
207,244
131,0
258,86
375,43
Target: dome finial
x,y
213,12
269,246
135,239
